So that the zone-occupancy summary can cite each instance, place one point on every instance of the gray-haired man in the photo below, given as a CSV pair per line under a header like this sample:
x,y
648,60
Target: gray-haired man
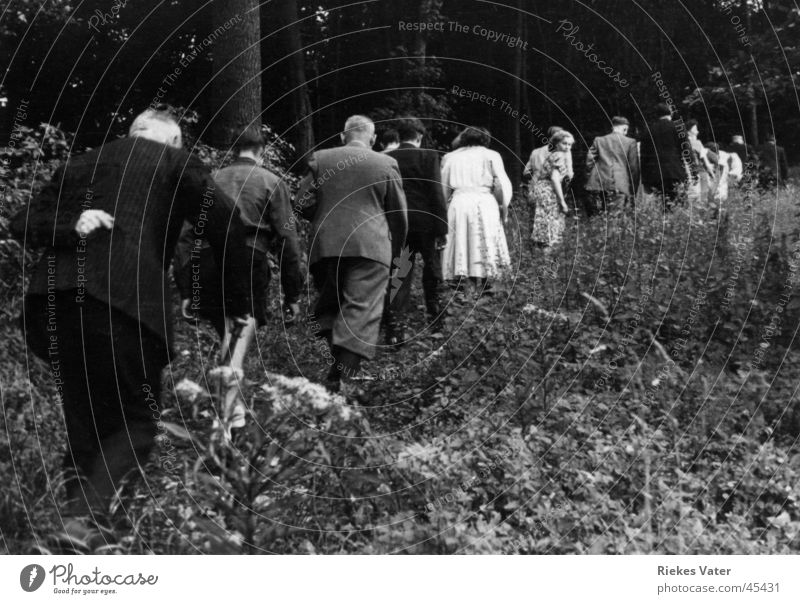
x,y
354,199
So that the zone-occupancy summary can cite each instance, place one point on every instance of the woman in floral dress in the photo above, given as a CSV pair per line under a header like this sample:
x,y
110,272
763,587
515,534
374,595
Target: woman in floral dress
x,y
548,194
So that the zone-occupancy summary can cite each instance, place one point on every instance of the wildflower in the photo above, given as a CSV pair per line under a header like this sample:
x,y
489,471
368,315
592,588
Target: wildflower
x,y
188,391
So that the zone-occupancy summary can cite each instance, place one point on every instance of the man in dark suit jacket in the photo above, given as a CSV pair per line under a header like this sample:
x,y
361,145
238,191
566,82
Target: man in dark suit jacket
x,y
745,152
355,201
612,168
97,308
748,155
774,166
427,226
665,152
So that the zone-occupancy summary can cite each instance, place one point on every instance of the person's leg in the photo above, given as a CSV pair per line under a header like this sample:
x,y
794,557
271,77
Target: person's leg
x,y
398,294
241,345
431,278
326,308
53,332
123,370
111,385
357,327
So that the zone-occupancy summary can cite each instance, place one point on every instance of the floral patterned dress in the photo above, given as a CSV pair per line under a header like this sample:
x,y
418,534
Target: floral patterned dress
x,y
549,221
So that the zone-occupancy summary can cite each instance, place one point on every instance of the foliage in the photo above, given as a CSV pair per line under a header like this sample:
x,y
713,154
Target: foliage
x,y
613,396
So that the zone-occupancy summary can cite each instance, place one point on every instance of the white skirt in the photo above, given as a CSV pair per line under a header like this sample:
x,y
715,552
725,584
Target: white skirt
x,y
476,242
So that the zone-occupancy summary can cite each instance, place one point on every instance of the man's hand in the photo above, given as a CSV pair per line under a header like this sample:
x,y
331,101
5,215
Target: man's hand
x,y
91,220
290,313
186,313
504,214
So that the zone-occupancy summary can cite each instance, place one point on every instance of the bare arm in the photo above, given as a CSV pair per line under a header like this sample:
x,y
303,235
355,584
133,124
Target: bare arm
x,y
439,200
555,178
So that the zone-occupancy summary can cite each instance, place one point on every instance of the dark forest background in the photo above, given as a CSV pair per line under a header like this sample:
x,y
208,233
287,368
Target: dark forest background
x,y
88,66
636,391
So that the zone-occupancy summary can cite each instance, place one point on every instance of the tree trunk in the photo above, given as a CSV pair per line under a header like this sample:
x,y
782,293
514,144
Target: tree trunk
x,y
301,134
519,63
236,84
752,114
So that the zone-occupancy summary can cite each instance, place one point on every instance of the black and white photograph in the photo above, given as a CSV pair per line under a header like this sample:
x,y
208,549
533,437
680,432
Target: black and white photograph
x,y
438,278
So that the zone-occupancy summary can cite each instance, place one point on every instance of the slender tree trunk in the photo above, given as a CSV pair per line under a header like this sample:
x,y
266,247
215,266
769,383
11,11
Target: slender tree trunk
x,y
752,114
302,133
526,100
519,72
236,86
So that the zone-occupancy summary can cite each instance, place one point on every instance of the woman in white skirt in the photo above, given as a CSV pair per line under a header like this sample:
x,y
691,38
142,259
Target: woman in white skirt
x,y
476,242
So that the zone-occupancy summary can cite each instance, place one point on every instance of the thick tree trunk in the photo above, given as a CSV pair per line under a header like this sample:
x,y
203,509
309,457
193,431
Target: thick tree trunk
x,y
236,84
302,133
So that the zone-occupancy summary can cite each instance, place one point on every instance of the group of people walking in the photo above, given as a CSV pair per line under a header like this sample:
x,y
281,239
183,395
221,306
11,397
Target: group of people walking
x,y
115,219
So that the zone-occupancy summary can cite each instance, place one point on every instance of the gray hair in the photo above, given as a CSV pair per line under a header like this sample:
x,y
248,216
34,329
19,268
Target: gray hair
x,y
158,126
358,127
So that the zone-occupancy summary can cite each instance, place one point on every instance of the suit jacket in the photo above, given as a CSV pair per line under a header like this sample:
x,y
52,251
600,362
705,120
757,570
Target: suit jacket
x,y
661,157
354,198
612,164
422,184
265,205
773,159
745,152
149,189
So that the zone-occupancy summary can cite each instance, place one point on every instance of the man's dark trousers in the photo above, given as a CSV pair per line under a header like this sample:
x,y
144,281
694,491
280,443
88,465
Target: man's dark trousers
x,y
399,292
349,307
110,372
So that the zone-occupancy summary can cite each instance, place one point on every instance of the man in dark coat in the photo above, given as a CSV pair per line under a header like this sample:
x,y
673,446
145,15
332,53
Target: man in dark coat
x,y
745,152
612,168
264,203
97,308
354,198
748,155
774,166
427,227
665,153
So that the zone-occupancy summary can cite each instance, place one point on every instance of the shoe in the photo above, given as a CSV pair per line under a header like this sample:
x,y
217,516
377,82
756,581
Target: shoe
x,y
395,338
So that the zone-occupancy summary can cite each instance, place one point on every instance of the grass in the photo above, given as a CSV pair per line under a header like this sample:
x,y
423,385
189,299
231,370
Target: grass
x,y
611,398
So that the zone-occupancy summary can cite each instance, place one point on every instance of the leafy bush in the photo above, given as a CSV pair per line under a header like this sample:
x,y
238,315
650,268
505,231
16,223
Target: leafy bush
x,y
632,391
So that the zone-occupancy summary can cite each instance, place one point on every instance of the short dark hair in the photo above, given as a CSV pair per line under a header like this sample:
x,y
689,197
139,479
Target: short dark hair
x,y
409,128
389,136
473,136
663,109
250,139
618,120
713,147
691,124
770,138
